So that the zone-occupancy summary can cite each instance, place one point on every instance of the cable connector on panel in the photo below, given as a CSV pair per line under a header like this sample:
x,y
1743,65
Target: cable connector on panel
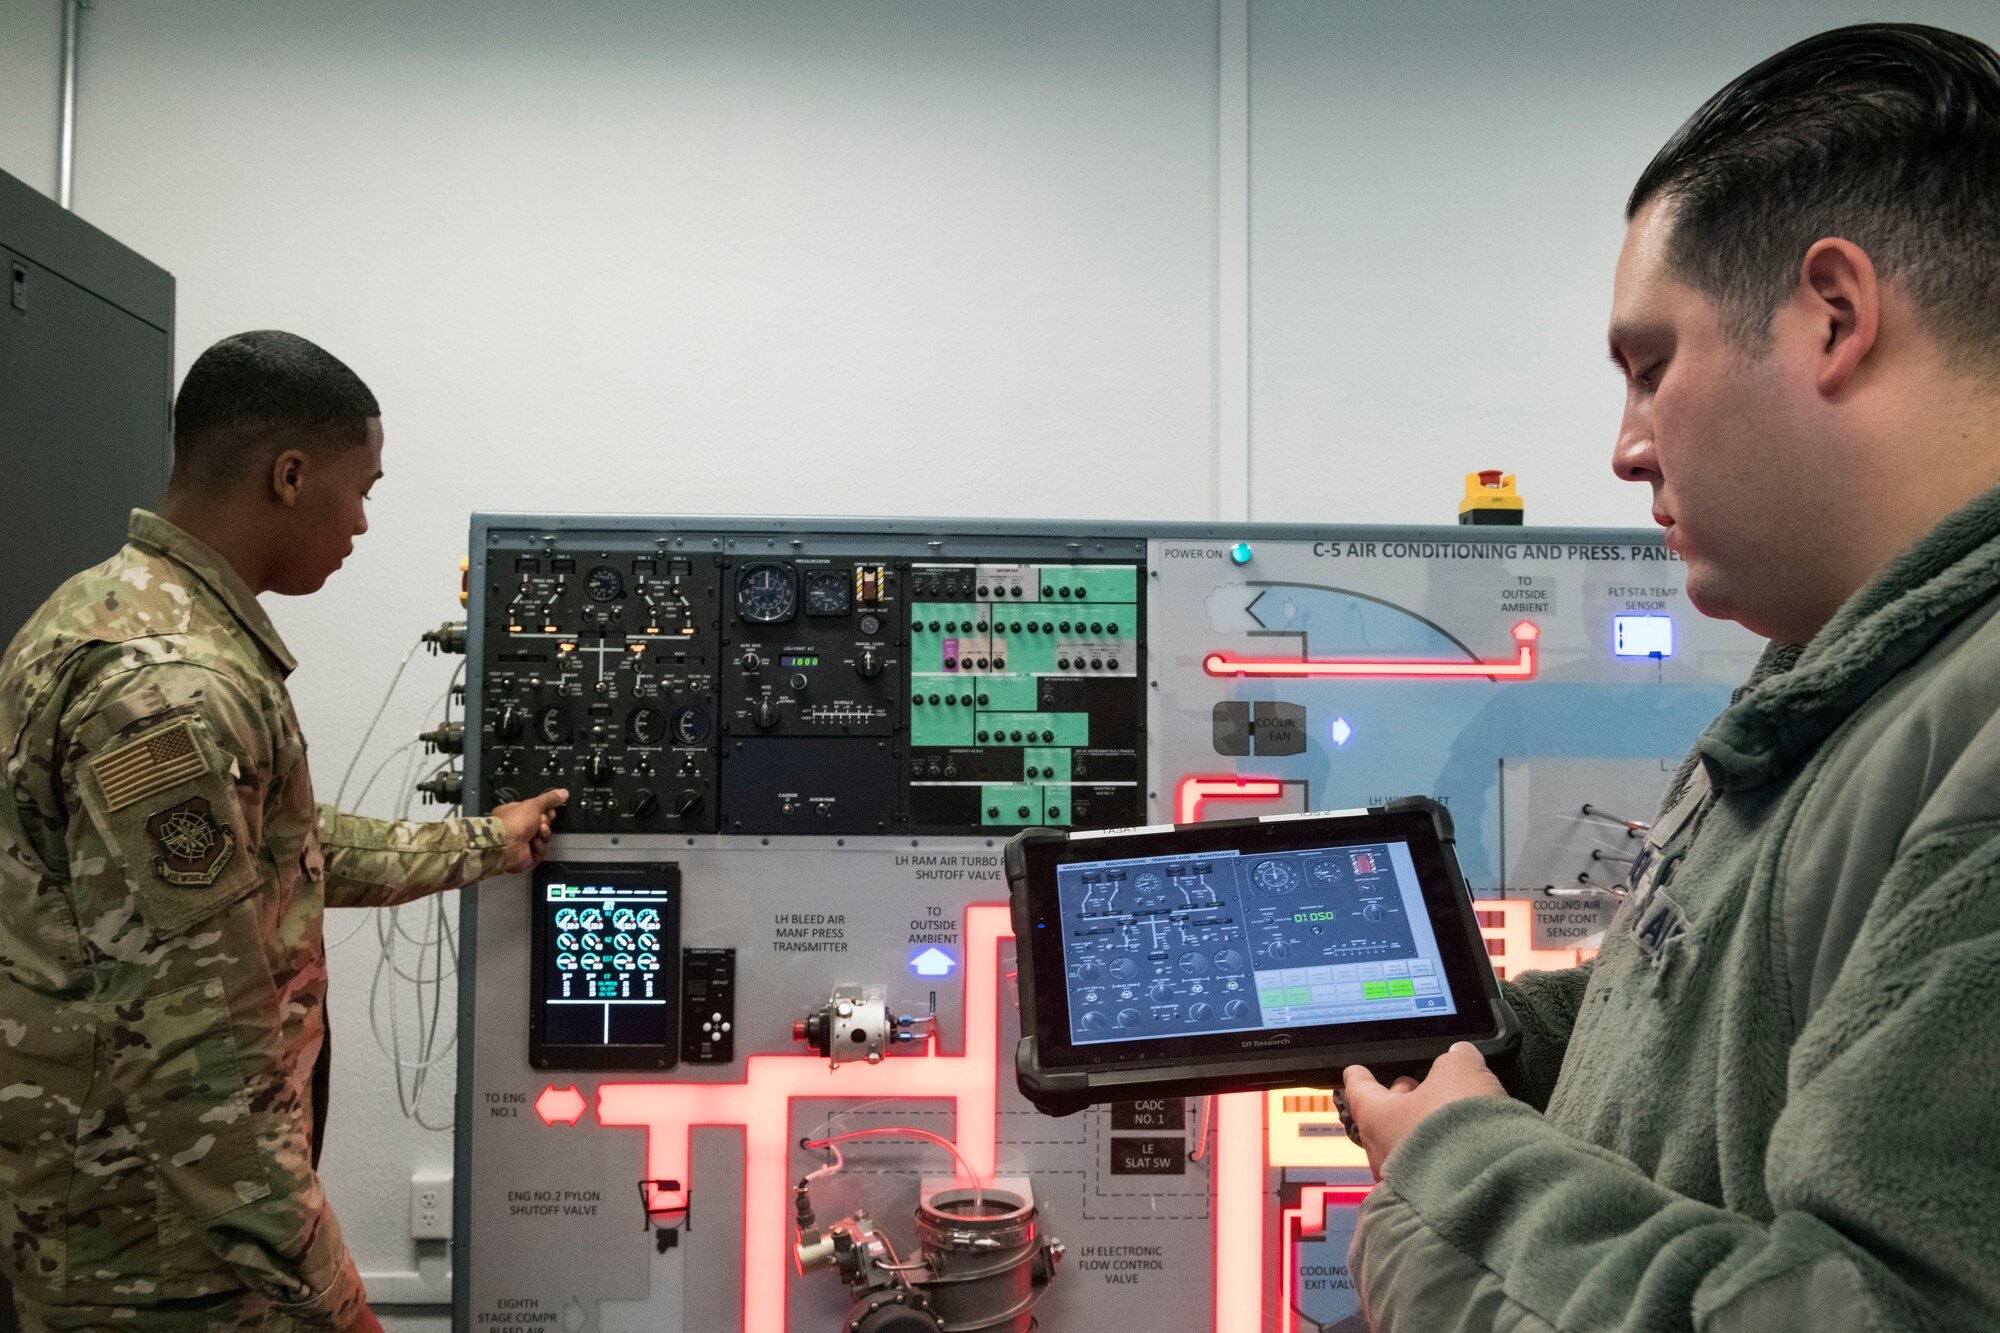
x,y
446,638
442,789
445,738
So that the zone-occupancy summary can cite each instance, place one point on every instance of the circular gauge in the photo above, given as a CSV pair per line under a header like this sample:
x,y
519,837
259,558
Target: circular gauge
x,y
566,962
646,726
649,962
592,963
767,594
1228,960
1147,884
622,961
1325,872
1193,964
592,919
565,941
604,584
690,726
592,941
623,942
1124,969
648,940
829,592
624,919
552,725
649,918
1274,877
566,918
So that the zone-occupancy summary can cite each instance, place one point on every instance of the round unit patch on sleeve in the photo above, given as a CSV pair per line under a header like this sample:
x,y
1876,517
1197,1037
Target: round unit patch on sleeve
x,y
194,847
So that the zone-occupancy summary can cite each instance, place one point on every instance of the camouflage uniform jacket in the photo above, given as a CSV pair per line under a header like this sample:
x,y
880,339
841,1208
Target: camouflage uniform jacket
x,y
163,874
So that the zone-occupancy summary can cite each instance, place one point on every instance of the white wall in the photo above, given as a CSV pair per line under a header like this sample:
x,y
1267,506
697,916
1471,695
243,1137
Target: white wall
x,y
1437,195
874,257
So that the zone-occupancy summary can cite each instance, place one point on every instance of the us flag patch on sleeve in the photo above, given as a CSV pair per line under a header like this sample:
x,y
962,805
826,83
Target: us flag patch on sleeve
x,y
154,762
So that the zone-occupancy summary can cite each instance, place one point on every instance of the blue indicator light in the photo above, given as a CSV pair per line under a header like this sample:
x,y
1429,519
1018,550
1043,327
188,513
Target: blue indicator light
x,y
933,962
1642,636
1342,733
1240,553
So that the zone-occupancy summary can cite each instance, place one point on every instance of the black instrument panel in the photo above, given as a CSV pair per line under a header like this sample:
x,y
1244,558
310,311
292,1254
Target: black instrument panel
x,y
703,691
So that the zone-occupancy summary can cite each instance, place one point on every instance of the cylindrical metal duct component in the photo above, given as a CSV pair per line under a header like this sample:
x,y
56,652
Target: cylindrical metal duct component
x,y
981,1253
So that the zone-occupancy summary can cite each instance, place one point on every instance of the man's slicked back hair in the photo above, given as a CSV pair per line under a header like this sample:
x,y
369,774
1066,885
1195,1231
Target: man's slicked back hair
x,y
254,393
1883,134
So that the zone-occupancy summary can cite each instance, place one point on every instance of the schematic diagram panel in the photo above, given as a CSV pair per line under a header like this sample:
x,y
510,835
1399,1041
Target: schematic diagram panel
x,y
796,749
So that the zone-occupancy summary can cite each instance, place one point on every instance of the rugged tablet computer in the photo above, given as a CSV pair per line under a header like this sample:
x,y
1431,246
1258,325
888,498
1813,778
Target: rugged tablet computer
x,y
1183,960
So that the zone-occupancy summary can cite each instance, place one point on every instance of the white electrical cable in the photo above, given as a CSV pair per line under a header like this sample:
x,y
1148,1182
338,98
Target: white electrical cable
x,y
432,939
340,793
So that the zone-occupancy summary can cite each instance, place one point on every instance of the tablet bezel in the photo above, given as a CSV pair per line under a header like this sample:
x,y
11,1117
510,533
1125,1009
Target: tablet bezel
x,y
1481,1015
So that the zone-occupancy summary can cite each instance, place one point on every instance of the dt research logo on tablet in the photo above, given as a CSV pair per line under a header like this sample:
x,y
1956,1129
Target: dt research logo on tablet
x,y
1260,1043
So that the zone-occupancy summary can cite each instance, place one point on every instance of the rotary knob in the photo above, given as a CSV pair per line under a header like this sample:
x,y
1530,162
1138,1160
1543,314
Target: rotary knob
x,y
599,768
644,803
868,665
750,661
508,725
689,803
766,712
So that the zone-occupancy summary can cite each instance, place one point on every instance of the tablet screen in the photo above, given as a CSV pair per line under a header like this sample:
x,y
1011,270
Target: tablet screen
x,y
606,974
1232,941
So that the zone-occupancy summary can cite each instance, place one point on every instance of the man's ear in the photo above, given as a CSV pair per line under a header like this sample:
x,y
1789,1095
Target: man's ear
x,y
1843,298
288,475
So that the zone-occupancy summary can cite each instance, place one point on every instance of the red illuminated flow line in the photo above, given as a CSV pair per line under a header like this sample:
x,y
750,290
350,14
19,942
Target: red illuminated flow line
x,y
1194,792
1294,1225
762,1104
1522,667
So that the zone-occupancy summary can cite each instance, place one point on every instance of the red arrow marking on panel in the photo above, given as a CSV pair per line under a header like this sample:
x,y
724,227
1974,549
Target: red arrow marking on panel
x,y
564,1104
1521,668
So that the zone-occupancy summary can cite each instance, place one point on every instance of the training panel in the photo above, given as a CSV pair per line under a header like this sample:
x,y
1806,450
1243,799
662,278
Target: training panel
x,y
739,1058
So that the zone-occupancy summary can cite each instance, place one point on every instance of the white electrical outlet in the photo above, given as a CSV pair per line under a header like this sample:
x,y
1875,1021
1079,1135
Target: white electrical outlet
x,y
430,1204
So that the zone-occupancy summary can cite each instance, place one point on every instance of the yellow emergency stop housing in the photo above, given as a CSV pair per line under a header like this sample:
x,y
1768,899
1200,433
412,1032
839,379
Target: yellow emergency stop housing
x,y
1490,498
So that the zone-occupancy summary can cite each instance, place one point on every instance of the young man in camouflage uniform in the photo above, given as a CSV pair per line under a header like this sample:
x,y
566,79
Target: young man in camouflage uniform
x,y
163,875
1769,1104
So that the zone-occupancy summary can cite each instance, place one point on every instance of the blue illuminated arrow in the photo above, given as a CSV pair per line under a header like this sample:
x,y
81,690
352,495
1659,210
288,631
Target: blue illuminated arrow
x,y
933,962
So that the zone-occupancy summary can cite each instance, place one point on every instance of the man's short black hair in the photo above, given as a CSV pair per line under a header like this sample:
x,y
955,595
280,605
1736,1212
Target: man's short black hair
x,y
1883,134
255,392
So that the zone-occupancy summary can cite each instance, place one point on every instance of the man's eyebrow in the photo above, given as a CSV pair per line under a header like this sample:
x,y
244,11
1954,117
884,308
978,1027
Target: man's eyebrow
x,y
1622,337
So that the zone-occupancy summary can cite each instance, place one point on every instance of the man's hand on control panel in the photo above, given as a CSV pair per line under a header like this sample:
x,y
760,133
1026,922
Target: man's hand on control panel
x,y
1385,1116
527,825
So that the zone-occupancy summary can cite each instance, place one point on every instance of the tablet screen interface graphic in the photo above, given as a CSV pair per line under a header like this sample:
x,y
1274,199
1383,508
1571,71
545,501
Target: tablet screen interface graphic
x,y
1227,941
604,972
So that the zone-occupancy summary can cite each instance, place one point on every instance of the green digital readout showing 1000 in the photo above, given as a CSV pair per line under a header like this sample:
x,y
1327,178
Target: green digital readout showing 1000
x,y
1302,918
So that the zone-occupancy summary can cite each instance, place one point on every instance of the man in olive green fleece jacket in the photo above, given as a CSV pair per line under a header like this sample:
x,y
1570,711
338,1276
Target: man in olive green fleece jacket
x,y
1773,1101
